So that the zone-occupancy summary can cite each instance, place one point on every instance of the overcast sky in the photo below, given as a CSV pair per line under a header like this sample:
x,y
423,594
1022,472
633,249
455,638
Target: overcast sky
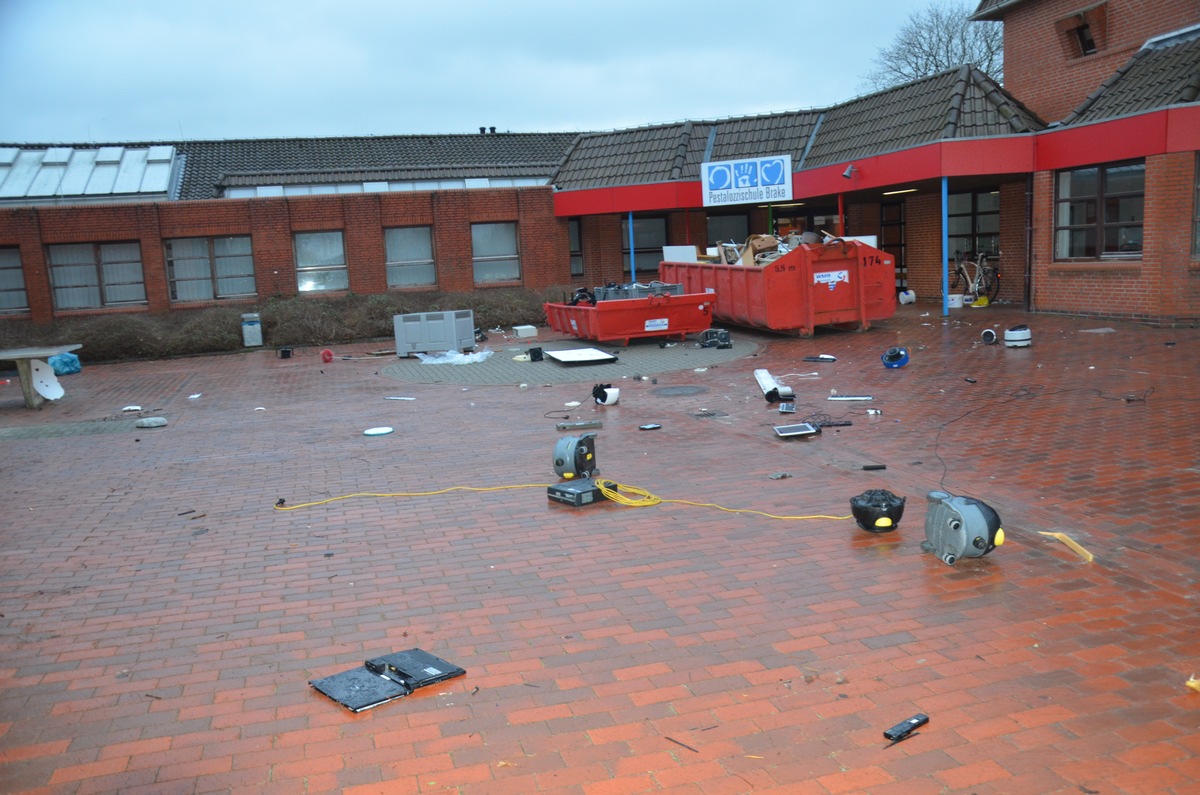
x,y
76,71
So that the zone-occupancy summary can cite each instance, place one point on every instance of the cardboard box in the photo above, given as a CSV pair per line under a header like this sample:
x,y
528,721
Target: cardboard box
x,y
524,332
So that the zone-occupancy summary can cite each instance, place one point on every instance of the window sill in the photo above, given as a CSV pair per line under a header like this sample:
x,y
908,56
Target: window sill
x,y
1096,266
487,285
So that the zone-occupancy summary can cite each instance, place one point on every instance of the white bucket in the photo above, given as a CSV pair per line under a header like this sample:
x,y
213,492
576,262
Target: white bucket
x,y
907,297
956,301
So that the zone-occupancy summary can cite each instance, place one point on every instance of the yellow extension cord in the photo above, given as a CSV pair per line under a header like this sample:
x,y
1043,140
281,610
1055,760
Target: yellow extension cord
x,y
610,489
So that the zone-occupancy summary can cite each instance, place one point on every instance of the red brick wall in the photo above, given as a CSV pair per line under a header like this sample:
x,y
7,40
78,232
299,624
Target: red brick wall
x,y
1161,286
923,240
271,222
1038,65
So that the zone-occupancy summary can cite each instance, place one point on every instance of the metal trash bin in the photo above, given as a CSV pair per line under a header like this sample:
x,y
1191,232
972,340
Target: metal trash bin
x,y
842,283
252,335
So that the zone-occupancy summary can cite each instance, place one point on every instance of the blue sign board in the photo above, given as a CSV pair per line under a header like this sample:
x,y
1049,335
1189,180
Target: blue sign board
x,y
752,181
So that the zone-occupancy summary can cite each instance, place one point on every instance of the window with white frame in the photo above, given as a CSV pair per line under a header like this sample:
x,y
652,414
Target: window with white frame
x,y
649,237
320,262
94,275
12,281
208,268
494,253
409,252
1098,211
575,233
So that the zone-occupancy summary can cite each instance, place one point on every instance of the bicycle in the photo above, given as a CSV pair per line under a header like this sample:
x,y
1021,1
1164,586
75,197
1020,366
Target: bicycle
x,y
984,282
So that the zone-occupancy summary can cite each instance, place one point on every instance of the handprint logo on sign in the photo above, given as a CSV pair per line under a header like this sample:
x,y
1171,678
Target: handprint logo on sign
x,y
720,177
745,175
772,171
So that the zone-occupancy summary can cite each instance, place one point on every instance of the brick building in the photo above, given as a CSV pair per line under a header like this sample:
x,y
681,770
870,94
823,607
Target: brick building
x,y
1079,174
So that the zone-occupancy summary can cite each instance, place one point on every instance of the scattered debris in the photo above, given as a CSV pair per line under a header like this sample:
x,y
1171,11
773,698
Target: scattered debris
x,y
454,357
1193,683
682,745
873,467
396,397
780,475
185,513
132,408
905,729
151,422
195,396
1104,330
579,426
1072,544
260,408
385,679
197,516
382,430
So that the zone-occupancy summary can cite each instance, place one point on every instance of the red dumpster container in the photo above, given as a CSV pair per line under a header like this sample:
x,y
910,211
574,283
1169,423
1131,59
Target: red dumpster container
x,y
842,283
673,316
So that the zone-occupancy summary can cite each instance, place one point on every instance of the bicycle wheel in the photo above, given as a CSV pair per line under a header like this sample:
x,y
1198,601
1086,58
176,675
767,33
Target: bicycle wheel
x,y
989,283
958,278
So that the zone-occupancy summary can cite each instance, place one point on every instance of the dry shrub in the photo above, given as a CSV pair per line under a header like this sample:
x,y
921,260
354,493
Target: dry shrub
x,y
297,321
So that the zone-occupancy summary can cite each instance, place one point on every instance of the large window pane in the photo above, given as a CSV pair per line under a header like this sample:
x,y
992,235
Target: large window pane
x,y
493,240
494,250
319,249
649,237
728,228
575,233
320,262
409,252
93,275
12,281
1099,211
203,268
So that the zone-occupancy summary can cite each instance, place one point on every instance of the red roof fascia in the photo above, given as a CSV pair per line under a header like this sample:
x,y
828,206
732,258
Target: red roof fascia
x,y
628,198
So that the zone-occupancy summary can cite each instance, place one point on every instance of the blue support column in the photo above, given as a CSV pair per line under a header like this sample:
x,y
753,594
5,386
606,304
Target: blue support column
x,y
945,246
632,264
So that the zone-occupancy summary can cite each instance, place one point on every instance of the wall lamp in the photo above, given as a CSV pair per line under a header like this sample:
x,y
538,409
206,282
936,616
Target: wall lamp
x,y
850,171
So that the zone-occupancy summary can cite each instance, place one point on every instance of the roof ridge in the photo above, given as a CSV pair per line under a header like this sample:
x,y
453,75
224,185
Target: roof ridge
x,y
681,150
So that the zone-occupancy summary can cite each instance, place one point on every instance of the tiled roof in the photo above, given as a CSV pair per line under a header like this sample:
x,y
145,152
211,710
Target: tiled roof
x,y
992,10
464,171
207,163
675,151
1166,71
958,103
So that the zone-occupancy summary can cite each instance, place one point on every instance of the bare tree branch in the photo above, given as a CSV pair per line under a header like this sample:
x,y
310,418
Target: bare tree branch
x,y
937,38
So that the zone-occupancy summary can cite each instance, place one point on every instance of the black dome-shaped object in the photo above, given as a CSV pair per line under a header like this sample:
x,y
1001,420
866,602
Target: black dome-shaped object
x,y
877,510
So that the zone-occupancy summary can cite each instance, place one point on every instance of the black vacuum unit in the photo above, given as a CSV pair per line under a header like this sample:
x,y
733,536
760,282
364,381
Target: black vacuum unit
x,y
877,510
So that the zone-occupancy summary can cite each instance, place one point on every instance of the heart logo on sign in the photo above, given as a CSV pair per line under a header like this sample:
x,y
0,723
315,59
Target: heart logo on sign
x,y
772,172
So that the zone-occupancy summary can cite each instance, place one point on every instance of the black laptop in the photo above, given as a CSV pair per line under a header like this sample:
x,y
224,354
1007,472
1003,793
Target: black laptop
x,y
387,678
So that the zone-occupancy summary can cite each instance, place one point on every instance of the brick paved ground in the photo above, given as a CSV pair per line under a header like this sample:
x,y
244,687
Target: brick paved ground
x,y
611,650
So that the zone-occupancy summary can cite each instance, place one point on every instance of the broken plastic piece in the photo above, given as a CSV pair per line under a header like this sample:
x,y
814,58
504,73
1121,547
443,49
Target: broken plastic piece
x,y
1193,683
1070,542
